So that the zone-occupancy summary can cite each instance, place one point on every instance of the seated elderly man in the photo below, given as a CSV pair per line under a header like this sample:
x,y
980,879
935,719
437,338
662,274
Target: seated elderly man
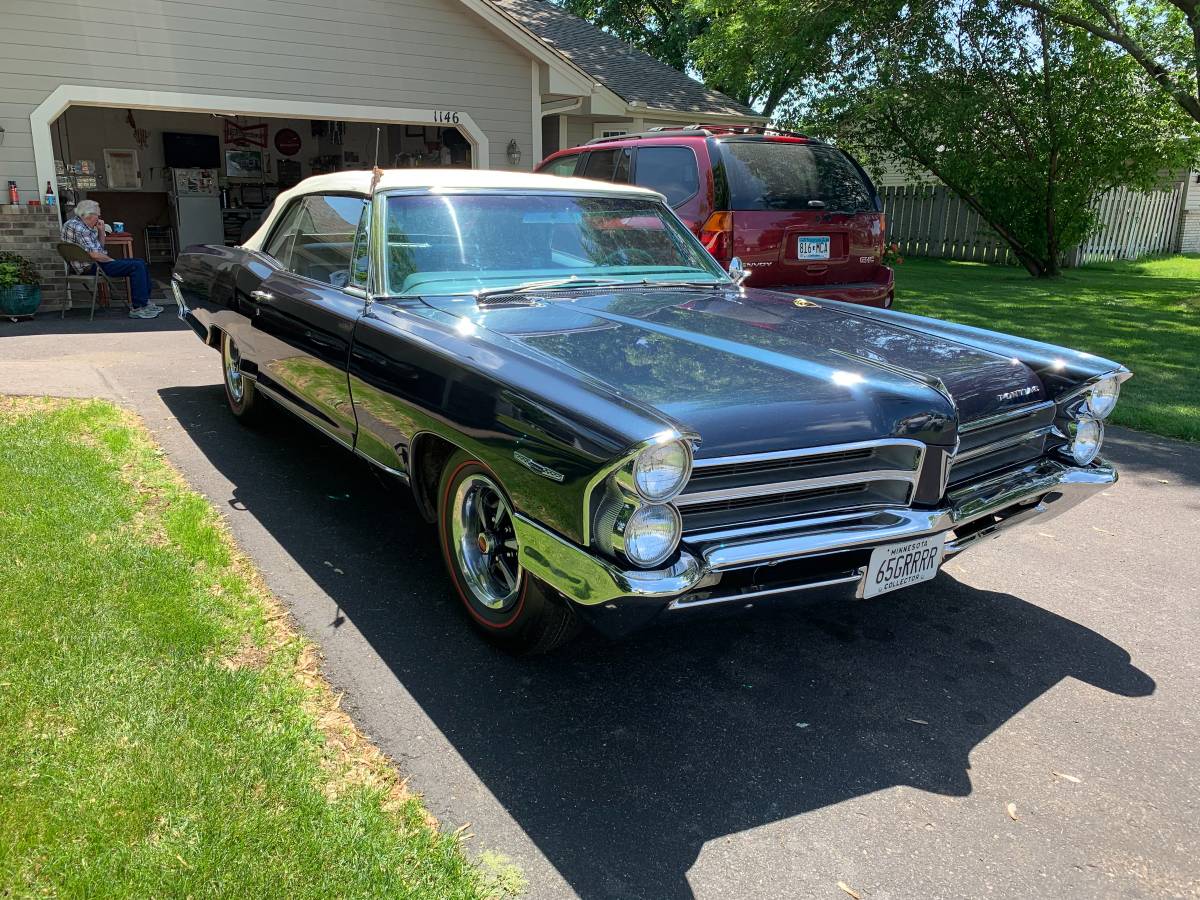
x,y
86,229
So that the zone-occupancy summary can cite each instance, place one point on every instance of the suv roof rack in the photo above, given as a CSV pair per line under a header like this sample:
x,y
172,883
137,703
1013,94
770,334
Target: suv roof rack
x,y
699,130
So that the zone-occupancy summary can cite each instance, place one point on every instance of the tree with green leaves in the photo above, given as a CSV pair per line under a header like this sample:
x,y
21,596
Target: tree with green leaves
x,y
1027,120
1161,36
661,28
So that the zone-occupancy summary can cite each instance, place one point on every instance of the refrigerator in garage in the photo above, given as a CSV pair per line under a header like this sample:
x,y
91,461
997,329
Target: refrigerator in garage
x,y
195,207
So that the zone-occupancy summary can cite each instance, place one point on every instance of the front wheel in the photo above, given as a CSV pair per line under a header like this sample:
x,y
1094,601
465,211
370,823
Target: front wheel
x,y
239,390
479,542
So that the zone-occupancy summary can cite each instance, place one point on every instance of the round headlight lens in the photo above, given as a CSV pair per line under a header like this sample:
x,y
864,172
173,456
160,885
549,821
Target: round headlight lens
x,y
1088,435
1102,397
651,534
659,472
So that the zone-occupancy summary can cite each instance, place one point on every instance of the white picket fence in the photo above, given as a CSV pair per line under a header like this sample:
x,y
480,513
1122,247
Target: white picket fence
x,y
1133,225
930,220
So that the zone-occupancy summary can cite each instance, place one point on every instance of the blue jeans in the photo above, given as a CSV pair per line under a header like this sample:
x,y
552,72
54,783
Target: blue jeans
x,y
137,273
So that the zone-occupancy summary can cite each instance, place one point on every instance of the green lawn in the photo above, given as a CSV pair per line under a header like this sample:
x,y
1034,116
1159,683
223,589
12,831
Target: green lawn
x,y
162,732
1145,315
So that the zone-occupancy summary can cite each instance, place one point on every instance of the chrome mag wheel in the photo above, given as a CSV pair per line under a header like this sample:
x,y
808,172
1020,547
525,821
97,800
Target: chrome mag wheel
x,y
232,360
485,543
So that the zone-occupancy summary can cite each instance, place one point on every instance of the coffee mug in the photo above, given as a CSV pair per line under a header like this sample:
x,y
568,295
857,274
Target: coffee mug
x,y
118,227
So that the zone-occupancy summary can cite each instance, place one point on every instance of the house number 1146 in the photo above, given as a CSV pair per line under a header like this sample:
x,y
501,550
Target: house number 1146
x,y
447,117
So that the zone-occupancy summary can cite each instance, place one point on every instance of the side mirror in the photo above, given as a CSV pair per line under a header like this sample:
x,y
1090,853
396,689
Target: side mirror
x,y
738,271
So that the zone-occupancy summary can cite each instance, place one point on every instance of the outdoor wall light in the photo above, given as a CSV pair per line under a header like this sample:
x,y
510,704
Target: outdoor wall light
x,y
514,152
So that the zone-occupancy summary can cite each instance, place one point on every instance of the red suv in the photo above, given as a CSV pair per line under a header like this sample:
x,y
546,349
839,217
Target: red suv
x,y
800,214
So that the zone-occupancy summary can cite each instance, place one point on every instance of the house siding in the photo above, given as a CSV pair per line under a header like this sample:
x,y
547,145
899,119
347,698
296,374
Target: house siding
x,y
1189,217
421,54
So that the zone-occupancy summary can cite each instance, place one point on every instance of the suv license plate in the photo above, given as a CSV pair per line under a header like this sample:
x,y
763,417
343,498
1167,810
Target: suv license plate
x,y
812,248
894,566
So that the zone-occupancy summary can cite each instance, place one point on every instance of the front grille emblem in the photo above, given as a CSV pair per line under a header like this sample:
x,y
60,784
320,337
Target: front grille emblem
x,y
1019,392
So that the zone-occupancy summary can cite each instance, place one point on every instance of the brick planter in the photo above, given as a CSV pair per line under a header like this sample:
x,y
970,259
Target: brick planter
x,y
32,231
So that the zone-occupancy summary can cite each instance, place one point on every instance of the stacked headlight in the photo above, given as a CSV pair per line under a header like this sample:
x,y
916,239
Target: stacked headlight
x,y
1101,398
661,470
1087,434
636,518
1081,421
652,534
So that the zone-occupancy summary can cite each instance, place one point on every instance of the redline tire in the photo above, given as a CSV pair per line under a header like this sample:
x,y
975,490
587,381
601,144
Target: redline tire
x,y
503,602
239,390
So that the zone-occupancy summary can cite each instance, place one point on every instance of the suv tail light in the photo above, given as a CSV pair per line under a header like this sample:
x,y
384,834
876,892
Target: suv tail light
x,y
717,236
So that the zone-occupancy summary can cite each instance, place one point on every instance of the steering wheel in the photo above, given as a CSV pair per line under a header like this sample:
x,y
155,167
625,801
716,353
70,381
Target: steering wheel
x,y
628,256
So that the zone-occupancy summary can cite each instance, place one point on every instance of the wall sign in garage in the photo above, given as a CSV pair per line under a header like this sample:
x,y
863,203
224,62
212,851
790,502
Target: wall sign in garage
x,y
287,141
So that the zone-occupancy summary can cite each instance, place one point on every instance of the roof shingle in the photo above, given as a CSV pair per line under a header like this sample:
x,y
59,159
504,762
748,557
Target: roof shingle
x,y
626,71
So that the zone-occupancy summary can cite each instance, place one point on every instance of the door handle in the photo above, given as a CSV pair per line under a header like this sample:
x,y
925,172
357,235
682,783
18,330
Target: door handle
x,y
262,296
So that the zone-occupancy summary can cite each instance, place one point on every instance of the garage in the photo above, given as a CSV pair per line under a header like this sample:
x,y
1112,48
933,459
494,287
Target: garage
x,y
169,178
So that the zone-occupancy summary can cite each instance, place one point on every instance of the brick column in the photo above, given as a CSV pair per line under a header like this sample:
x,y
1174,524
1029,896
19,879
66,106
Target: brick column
x,y
32,232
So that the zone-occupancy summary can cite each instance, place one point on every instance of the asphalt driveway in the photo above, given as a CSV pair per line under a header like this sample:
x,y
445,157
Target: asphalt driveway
x,y
874,743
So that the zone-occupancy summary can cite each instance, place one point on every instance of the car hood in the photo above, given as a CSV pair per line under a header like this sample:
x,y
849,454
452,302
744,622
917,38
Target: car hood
x,y
750,373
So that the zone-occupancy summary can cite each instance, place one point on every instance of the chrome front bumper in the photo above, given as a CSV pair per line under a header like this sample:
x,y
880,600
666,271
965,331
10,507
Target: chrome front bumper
x,y
1042,489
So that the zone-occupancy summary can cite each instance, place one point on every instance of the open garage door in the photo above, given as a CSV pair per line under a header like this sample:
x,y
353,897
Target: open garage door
x,y
175,177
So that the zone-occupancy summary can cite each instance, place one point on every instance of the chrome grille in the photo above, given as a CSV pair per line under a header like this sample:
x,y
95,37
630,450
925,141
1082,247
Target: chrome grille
x,y
726,492
779,465
997,442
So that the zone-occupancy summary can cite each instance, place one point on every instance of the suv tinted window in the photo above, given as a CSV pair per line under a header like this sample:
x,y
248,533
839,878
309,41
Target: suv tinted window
x,y
669,170
775,175
564,166
608,165
324,245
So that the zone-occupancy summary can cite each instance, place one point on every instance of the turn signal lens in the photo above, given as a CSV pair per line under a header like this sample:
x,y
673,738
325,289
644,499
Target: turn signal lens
x,y
652,534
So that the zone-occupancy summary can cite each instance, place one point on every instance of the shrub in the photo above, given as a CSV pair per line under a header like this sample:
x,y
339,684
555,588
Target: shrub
x,y
15,269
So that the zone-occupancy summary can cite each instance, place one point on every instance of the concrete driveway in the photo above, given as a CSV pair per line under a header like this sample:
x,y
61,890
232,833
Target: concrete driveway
x,y
873,743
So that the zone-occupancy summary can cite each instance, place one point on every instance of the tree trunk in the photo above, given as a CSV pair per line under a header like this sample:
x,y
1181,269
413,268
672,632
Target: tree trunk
x,y
1051,267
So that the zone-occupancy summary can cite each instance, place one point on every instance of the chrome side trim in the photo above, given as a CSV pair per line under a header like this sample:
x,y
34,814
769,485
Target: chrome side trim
x,y
1006,416
804,484
395,473
299,411
1002,444
681,603
812,451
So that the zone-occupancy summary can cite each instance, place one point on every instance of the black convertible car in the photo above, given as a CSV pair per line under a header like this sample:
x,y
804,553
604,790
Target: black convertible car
x,y
604,426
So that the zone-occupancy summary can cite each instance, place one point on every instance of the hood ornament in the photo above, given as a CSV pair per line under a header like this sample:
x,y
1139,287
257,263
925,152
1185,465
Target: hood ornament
x,y
738,271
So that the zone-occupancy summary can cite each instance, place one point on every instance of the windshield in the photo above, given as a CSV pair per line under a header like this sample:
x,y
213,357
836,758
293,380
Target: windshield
x,y
766,175
461,243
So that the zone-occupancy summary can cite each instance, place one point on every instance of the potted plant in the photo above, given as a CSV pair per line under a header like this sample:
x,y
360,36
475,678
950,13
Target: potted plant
x,y
20,287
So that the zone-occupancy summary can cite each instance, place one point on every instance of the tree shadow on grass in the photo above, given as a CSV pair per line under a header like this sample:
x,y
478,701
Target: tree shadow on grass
x,y
620,760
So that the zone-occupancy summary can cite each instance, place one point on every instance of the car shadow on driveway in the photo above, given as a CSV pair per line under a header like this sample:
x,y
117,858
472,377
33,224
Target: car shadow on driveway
x,y
620,760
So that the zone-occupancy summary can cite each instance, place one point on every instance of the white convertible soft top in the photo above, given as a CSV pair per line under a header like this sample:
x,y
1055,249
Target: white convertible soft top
x,y
359,182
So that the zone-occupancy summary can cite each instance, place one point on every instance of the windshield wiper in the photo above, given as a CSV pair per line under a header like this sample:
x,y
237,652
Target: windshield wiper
x,y
548,284
575,281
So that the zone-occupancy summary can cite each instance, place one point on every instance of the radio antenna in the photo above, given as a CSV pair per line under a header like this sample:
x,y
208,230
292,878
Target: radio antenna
x,y
376,172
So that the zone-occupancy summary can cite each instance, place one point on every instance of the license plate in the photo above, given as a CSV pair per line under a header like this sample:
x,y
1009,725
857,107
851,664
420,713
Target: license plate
x,y
812,248
894,566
